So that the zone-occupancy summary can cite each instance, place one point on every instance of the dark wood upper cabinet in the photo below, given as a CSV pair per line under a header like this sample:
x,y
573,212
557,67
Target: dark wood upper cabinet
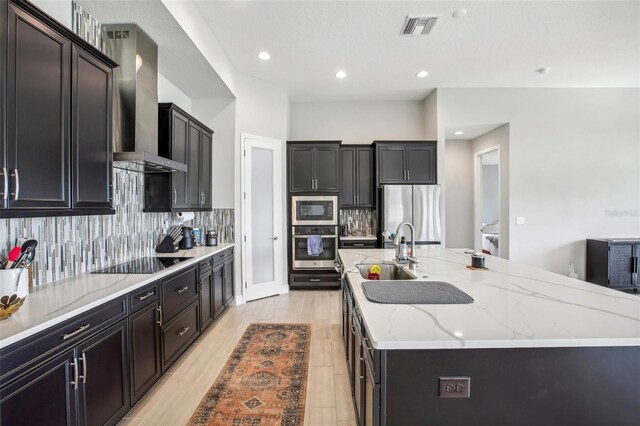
x,y
301,169
184,139
193,162
92,147
56,99
401,162
38,113
314,167
356,177
206,169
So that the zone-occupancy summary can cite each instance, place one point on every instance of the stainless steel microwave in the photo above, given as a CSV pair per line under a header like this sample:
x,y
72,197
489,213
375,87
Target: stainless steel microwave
x,y
314,210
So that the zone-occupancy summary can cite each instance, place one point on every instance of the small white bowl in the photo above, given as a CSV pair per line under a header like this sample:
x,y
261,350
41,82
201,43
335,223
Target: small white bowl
x,y
14,289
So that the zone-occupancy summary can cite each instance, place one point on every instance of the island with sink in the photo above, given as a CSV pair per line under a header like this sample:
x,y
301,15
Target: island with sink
x,y
531,347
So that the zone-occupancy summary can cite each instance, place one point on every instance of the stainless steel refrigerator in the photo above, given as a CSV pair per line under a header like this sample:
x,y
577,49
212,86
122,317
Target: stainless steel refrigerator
x,y
416,204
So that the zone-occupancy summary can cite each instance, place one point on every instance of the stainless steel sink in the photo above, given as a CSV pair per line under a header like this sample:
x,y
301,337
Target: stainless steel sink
x,y
390,271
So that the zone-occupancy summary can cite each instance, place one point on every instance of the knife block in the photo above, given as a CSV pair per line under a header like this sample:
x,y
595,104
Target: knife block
x,y
167,245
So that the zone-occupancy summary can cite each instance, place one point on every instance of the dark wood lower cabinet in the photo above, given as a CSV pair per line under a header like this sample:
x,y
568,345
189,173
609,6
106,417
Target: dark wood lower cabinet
x,y
92,368
144,331
207,309
45,396
103,364
227,273
218,289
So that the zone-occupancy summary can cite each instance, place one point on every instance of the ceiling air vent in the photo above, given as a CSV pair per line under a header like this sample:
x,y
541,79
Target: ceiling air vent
x,y
419,26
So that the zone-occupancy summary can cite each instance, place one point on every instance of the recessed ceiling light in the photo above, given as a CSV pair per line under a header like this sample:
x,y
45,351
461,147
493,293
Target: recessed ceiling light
x,y
543,70
459,132
341,74
264,56
459,13
422,74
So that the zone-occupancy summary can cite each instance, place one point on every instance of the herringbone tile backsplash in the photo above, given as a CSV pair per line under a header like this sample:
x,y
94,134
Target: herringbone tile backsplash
x,y
68,246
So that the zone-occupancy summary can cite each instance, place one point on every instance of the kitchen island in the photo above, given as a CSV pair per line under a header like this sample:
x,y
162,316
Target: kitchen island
x,y
533,347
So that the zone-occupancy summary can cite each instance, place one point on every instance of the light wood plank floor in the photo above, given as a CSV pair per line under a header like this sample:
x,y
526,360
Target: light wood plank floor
x,y
175,397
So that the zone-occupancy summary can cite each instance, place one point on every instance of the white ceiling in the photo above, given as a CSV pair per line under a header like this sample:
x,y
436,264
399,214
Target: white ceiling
x,y
498,44
179,60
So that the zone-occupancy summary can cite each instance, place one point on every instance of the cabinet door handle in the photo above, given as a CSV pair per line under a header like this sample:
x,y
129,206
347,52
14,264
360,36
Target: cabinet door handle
x,y
5,184
184,330
174,196
408,174
159,310
84,368
17,176
146,296
75,333
365,340
74,382
182,289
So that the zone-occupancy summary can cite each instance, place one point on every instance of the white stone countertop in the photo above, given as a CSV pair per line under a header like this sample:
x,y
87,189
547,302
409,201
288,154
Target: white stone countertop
x,y
515,306
53,303
362,237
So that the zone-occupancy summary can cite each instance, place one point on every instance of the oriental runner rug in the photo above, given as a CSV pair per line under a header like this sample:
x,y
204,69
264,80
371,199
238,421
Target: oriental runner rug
x,y
263,382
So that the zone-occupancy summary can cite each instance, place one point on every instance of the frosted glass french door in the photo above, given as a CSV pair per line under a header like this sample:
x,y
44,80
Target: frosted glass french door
x,y
263,218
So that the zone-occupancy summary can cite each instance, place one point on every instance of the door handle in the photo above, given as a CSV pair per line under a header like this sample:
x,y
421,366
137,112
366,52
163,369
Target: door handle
x,y
275,238
84,368
74,382
5,184
17,176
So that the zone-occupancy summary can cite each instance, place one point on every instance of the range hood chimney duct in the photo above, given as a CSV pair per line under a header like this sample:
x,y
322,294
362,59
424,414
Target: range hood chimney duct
x,y
135,101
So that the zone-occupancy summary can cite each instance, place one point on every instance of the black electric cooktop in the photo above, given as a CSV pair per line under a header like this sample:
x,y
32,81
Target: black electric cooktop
x,y
144,265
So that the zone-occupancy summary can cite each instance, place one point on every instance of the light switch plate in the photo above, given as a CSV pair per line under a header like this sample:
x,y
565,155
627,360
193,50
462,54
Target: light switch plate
x,y
520,220
454,387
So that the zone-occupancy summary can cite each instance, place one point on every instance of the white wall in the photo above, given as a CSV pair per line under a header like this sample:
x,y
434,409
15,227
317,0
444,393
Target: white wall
x,y
431,116
357,122
187,14
60,10
262,109
168,92
459,194
220,115
574,165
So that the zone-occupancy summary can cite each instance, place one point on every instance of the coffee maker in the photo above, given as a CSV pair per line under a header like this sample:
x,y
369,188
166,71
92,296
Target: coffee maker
x,y
188,240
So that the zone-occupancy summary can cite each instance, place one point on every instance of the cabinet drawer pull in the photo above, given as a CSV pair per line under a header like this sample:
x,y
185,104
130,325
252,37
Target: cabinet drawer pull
x,y
5,184
146,296
75,333
17,176
184,330
74,382
314,280
358,244
365,340
84,368
182,289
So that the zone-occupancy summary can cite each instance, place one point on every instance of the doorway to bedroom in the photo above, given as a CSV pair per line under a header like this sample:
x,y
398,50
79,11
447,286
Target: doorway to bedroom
x,y
487,201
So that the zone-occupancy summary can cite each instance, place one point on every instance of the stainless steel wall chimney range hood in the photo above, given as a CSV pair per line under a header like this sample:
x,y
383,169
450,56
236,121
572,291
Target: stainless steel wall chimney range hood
x,y
135,101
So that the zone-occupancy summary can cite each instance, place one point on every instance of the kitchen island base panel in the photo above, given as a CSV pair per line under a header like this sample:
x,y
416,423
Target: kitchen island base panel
x,y
523,386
